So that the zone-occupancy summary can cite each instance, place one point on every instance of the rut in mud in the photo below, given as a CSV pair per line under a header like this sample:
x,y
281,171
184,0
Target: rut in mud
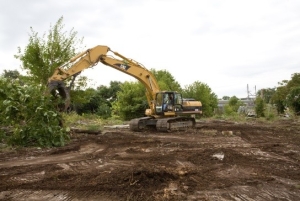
x,y
217,161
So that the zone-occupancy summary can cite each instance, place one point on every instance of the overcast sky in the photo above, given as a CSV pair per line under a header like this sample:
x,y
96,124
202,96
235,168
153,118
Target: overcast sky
x,y
224,44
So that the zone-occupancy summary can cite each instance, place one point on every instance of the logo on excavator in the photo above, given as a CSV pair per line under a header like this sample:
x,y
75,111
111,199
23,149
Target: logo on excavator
x,y
124,66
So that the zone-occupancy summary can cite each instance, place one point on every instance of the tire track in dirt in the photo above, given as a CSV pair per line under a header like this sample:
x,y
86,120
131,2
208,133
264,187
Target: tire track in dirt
x,y
252,163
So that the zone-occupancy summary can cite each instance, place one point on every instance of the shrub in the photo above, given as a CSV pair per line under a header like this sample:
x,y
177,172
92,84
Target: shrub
x,y
259,107
31,116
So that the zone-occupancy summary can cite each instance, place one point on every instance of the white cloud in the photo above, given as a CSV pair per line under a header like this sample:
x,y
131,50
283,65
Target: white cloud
x,y
225,44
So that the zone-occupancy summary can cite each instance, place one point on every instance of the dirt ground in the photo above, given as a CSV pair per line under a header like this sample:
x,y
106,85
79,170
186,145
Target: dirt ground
x,y
218,160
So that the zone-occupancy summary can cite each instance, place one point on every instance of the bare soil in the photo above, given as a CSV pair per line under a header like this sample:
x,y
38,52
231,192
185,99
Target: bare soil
x,y
218,160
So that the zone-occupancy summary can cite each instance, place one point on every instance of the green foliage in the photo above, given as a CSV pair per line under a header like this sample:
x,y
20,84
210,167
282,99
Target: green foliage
x,y
166,81
80,99
235,103
286,94
88,121
294,93
293,99
32,116
270,112
104,110
259,107
131,101
12,74
232,107
294,82
43,54
97,101
229,111
279,99
266,94
202,92
225,98
16,76
105,96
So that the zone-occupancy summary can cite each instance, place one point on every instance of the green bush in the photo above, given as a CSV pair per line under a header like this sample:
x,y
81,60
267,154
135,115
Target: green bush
x,y
31,116
259,107
229,110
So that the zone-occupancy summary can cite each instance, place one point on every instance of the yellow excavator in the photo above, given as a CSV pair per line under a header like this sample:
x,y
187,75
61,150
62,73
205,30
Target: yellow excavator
x,y
168,110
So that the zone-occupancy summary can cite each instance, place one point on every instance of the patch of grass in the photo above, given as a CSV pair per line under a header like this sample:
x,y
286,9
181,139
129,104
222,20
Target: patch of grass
x,y
93,127
210,132
88,121
4,147
271,117
234,117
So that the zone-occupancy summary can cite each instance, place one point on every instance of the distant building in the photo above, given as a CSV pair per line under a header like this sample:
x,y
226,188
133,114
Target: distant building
x,y
246,101
248,104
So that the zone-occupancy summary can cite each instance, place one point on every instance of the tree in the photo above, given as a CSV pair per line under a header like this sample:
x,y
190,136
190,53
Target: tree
x,y
279,98
294,82
11,74
286,94
131,101
202,92
259,107
165,80
233,105
99,101
43,54
109,93
16,75
294,93
293,99
80,101
266,94
225,98
106,97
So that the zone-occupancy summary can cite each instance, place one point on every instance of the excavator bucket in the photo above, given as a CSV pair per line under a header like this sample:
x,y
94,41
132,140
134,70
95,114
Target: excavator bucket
x,y
61,92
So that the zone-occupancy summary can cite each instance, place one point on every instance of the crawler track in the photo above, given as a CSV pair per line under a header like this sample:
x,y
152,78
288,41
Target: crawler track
x,y
163,124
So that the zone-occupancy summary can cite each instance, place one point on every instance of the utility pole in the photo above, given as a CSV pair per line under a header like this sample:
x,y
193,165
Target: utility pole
x,y
249,93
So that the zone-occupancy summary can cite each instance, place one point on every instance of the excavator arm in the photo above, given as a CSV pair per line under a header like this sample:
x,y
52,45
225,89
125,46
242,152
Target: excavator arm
x,y
92,57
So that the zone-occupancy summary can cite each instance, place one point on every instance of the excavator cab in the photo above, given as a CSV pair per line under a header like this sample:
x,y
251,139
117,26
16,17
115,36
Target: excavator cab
x,y
168,101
